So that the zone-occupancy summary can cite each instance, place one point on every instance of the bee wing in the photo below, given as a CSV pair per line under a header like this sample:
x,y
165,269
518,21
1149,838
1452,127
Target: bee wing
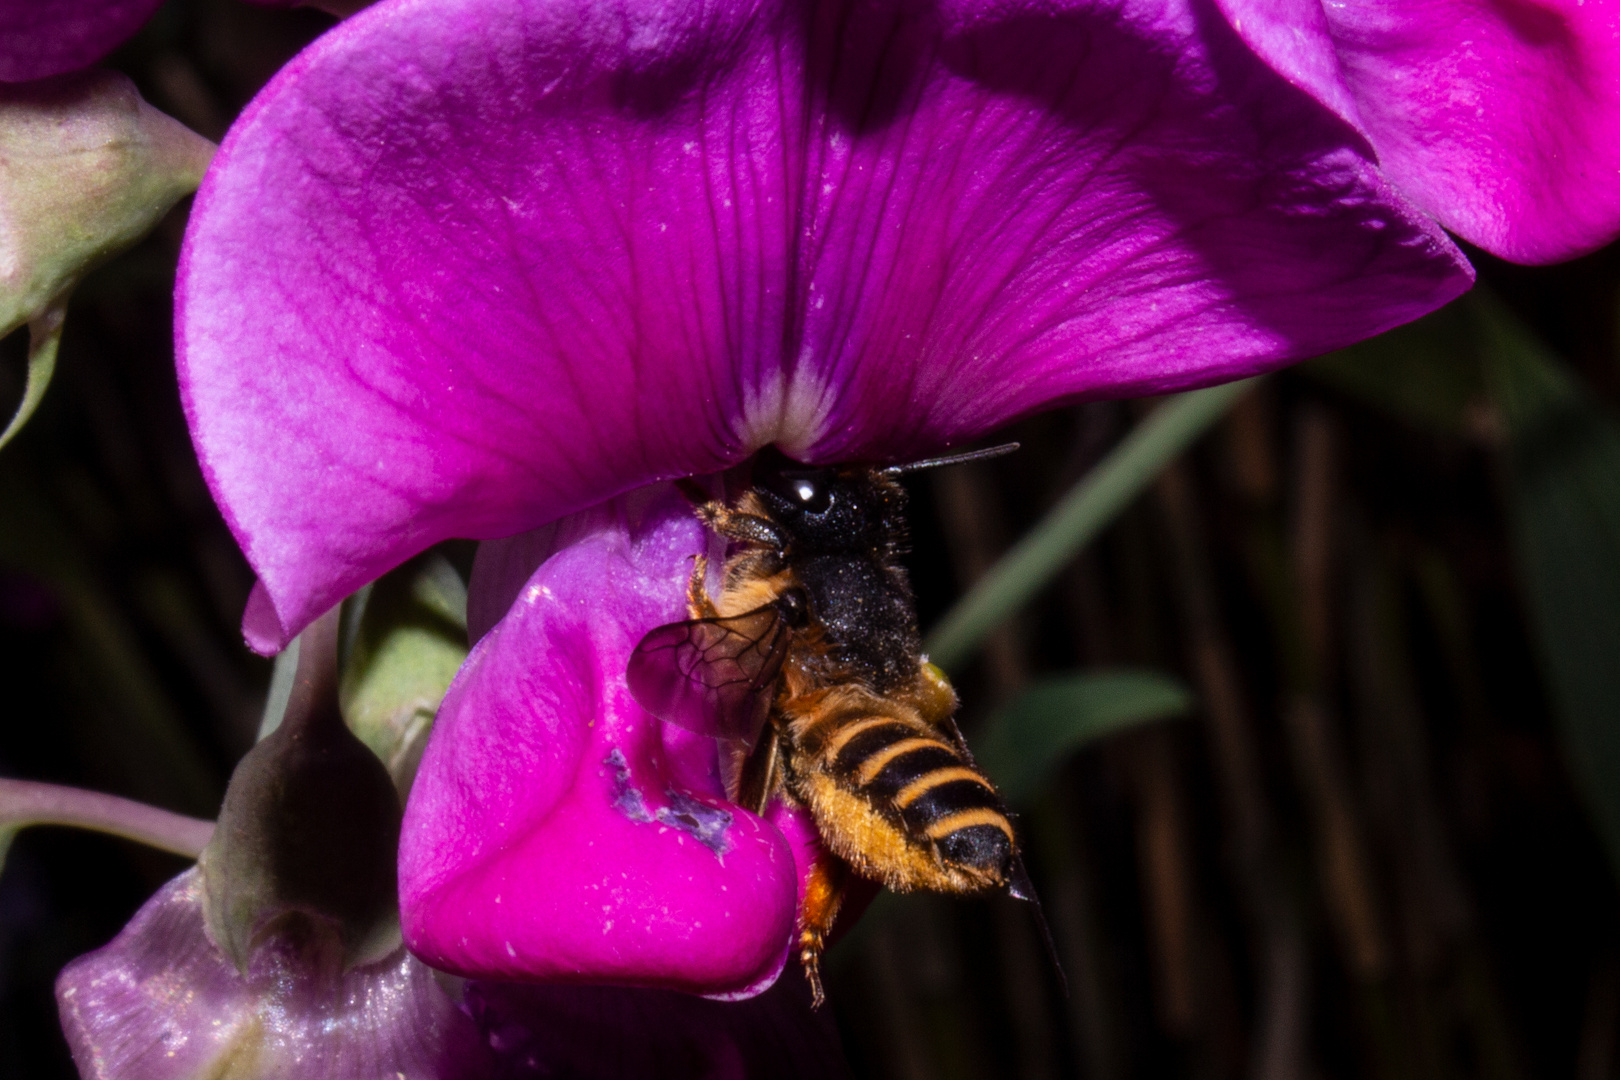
x,y
712,676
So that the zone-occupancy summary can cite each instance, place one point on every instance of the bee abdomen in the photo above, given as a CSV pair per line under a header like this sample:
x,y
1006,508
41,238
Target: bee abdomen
x,y
912,774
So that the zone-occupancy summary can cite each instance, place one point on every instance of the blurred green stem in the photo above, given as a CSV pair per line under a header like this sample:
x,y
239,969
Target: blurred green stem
x,y
1077,518
24,803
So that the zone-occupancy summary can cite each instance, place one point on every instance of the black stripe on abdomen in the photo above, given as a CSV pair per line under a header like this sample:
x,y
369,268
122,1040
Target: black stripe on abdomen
x,y
946,798
909,766
853,753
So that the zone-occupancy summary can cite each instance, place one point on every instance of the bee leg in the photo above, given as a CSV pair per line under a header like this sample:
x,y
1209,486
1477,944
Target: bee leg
x,y
733,525
697,590
761,773
823,895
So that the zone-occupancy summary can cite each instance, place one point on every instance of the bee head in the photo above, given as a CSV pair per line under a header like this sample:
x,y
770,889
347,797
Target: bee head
x,y
829,508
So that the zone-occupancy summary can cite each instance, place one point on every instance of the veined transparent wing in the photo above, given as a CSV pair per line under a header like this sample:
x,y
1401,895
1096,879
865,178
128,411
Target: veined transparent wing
x,y
712,676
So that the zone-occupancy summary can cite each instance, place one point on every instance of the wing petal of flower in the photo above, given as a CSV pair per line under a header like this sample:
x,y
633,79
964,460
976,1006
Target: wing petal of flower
x,y
1499,117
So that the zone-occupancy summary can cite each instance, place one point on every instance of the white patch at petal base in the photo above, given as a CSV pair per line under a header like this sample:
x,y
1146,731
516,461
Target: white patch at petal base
x,y
790,411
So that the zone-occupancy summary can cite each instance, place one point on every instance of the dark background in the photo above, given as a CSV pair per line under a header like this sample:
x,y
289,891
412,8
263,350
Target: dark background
x,y
1403,882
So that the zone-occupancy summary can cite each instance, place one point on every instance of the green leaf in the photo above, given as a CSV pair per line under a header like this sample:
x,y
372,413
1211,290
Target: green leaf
x,y
1024,742
1079,516
1472,367
1423,372
86,169
1563,486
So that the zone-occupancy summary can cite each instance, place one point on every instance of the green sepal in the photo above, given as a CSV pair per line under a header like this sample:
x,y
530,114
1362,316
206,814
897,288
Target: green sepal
x,y
408,640
44,336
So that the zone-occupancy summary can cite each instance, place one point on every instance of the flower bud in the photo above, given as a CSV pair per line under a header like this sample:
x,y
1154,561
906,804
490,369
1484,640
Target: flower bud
x,y
86,169
307,838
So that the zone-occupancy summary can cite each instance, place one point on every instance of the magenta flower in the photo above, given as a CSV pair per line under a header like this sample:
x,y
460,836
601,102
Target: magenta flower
x,y
497,268
39,38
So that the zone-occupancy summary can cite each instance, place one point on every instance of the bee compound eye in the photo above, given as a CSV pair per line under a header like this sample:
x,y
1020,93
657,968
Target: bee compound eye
x,y
807,491
813,495
795,607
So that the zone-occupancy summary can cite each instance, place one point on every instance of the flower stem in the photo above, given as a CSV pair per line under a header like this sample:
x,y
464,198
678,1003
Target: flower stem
x,y
24,803
1078,517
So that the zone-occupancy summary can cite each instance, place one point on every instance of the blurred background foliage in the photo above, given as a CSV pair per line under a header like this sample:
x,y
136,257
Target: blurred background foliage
x,y
1316,747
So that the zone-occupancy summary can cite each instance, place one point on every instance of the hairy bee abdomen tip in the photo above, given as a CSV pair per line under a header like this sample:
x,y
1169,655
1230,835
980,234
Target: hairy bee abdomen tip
x,y
983,847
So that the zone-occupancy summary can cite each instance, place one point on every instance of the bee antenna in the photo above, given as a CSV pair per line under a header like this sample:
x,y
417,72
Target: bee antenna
x,y
1021,888
953,459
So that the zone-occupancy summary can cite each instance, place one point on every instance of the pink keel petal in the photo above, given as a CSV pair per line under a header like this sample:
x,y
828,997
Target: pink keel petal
x,y
552,835
1502,119
39,38
466,266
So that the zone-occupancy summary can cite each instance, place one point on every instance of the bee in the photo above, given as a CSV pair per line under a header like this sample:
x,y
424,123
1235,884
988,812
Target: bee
x,y
810,662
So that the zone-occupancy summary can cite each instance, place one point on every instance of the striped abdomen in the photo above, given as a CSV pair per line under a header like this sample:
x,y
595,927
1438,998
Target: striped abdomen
x,y
912,775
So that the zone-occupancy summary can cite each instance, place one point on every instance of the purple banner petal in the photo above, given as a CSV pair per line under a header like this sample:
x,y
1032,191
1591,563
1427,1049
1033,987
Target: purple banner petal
x,y
39,38
1500,119
466,266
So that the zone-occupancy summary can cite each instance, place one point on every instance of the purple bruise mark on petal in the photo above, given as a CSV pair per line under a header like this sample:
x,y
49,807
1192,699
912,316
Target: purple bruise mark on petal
x,y
625,796
49,37
535,846
859,230
709,824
